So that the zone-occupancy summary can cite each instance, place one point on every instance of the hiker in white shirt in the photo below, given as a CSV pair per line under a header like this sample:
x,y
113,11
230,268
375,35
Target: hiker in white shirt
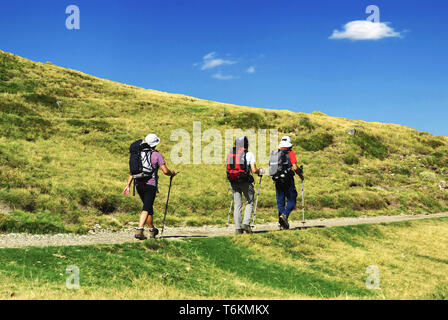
x,y
240,164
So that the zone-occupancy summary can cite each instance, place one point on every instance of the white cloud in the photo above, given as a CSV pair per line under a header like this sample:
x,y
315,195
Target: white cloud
x,y
365,30
209,61
209,55
218,66
251,69
221,76
213,63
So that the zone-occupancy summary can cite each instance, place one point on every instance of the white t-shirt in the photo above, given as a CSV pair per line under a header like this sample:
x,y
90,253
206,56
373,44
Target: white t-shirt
x,y
250,158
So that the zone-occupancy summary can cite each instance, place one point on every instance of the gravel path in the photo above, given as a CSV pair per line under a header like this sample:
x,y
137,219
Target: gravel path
x,y
18,240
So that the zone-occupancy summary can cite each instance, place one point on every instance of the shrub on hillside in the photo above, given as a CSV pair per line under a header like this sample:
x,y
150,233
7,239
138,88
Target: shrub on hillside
x,y
435,143
10,67
350,159
98,125
400,170
306,123
366,200
370,145
245,120
17,109
17,85
316,142
437,159
44,99
29,128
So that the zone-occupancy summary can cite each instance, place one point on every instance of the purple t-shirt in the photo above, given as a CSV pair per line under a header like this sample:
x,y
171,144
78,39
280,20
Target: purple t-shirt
x,y
156,162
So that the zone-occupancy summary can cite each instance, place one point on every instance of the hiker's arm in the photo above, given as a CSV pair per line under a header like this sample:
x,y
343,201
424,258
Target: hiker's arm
x,y
128,186
298,171
256,170
167,171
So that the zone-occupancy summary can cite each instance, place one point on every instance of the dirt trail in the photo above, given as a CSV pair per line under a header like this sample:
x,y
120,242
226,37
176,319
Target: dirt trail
x,y
18,240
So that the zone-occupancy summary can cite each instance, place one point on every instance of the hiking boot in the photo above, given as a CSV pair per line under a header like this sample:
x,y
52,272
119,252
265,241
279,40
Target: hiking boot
x,y
247,228
239,231
284,222
153,232
280,223
139,234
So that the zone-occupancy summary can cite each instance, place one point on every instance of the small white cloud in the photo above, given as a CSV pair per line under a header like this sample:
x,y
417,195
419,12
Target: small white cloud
x,y
210,61
221,76
213,63
209,55
365,30
251,69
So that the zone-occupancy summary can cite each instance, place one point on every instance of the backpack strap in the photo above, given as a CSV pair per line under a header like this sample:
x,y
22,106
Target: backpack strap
x,y
150,151
231,160
246,167
155,168
284,158
148,160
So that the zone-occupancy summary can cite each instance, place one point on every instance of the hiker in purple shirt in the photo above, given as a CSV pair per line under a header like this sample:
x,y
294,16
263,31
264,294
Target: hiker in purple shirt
x,y
147,187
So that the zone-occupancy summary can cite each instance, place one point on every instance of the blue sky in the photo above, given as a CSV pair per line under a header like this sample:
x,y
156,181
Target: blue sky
x,y
274,54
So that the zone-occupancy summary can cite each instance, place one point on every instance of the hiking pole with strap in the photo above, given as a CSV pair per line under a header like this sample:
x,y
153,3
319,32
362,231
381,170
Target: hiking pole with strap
x,y
303,200
166,205
256,202
230,210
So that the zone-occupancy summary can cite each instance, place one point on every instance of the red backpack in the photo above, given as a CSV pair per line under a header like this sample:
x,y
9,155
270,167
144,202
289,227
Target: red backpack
x,y
237,168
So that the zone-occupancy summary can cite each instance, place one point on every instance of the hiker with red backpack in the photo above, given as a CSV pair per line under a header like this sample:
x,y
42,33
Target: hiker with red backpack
x,y
282,166
144,164
240,164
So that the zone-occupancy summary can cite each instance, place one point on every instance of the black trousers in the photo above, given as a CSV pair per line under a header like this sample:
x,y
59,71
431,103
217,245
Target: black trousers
x,y
147,194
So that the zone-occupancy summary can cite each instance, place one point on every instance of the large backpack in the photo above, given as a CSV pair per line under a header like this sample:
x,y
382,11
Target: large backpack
x,y
237,168
280,166
140,166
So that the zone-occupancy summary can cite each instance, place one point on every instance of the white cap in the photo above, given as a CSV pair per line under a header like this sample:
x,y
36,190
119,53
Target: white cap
x,y
240,142
152,140
285,143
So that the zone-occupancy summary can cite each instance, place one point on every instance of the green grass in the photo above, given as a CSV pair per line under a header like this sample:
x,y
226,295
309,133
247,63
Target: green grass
x,y
350,159
369,145
276,265
69,161
316,142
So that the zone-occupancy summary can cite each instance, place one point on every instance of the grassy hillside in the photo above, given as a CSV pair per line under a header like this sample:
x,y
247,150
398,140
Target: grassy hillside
x,y
277,265
64,139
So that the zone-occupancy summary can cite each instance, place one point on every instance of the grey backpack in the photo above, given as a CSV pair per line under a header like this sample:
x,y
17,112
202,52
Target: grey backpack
x,y
280,167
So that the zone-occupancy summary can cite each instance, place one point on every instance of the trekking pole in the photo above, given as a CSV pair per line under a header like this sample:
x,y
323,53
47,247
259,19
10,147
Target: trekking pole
x,y
166,205
230,210
256,203
303,201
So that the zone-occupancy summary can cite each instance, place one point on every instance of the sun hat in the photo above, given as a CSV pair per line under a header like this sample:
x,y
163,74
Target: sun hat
x,y
241,142
152,140
285,142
